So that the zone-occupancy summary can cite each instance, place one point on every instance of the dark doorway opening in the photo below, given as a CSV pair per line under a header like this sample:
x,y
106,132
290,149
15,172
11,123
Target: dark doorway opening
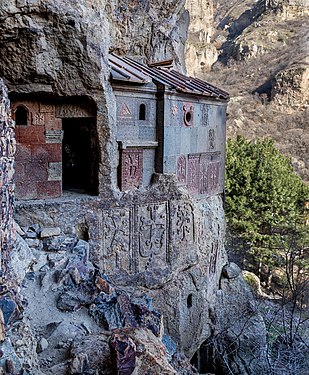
x,y
80,155
207,359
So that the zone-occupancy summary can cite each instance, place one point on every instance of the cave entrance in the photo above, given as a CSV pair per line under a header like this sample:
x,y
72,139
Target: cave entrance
x,y
80,156
204,359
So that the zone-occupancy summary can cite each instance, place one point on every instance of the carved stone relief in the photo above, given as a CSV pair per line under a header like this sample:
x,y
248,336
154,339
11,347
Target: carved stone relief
x,y
117,240
205,116
182,222
193,173
38,119
55,171
204,173
131,168
188,114
125,111
152,224
203,181
182,169
211,139
174,110
73,110
214,252
213,177
53,136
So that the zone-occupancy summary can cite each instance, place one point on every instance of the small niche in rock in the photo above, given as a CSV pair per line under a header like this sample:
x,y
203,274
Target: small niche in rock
x,y
189,301
71,23
82,231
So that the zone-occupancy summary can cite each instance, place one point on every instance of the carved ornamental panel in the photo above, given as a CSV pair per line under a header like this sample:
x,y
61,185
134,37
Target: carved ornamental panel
x,y
214,253
205,174
188,114
117,240
131,168
152,224
38,119
182,169
193,173
182,223
205,115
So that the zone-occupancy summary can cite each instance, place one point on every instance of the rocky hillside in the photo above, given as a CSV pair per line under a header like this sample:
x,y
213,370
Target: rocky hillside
x,y
258,51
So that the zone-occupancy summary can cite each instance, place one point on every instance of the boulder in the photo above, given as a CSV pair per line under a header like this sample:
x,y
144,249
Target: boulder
x,y
139,350
50,232
230,271
90,355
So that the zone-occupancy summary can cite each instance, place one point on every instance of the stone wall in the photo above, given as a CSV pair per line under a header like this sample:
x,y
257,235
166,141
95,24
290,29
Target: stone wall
x,y
39,136
7,152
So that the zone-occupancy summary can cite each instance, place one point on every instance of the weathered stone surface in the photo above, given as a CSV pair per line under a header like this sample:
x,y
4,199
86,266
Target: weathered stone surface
x,y
182,365
42,345
8,360
9,309
59,243
140,351
231,271
7,152
124,352
199,52
50,232
91,354
289,86
2,329
240,326
21,259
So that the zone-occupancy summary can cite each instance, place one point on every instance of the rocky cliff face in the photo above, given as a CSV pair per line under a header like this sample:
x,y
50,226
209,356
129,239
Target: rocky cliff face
x,y
263,62
200,52
8,148
68,307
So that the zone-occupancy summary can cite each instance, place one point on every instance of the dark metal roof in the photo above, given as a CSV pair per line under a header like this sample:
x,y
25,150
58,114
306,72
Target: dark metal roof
x,y
125,69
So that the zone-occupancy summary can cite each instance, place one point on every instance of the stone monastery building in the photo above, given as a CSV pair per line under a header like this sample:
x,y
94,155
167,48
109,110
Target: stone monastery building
x,y
166,123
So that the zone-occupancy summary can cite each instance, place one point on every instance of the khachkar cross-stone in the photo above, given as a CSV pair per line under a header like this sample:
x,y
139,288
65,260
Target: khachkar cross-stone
x,y
152,235
131,168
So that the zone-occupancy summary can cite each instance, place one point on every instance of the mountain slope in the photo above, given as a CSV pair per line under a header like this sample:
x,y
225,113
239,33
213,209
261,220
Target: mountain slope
x,y
262,61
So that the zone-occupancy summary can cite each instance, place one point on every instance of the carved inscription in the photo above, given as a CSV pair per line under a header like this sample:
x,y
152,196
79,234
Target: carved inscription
x,y
201,232
193,173
38,119
204,173
72,110
213,258
53,136
205,115
203,176
117,240
152,236
174,110
55,171
211,139
182,169
213,177
131,168
183,223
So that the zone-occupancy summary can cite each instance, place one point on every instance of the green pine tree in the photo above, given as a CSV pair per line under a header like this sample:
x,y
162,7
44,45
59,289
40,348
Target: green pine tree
x,y
264,201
